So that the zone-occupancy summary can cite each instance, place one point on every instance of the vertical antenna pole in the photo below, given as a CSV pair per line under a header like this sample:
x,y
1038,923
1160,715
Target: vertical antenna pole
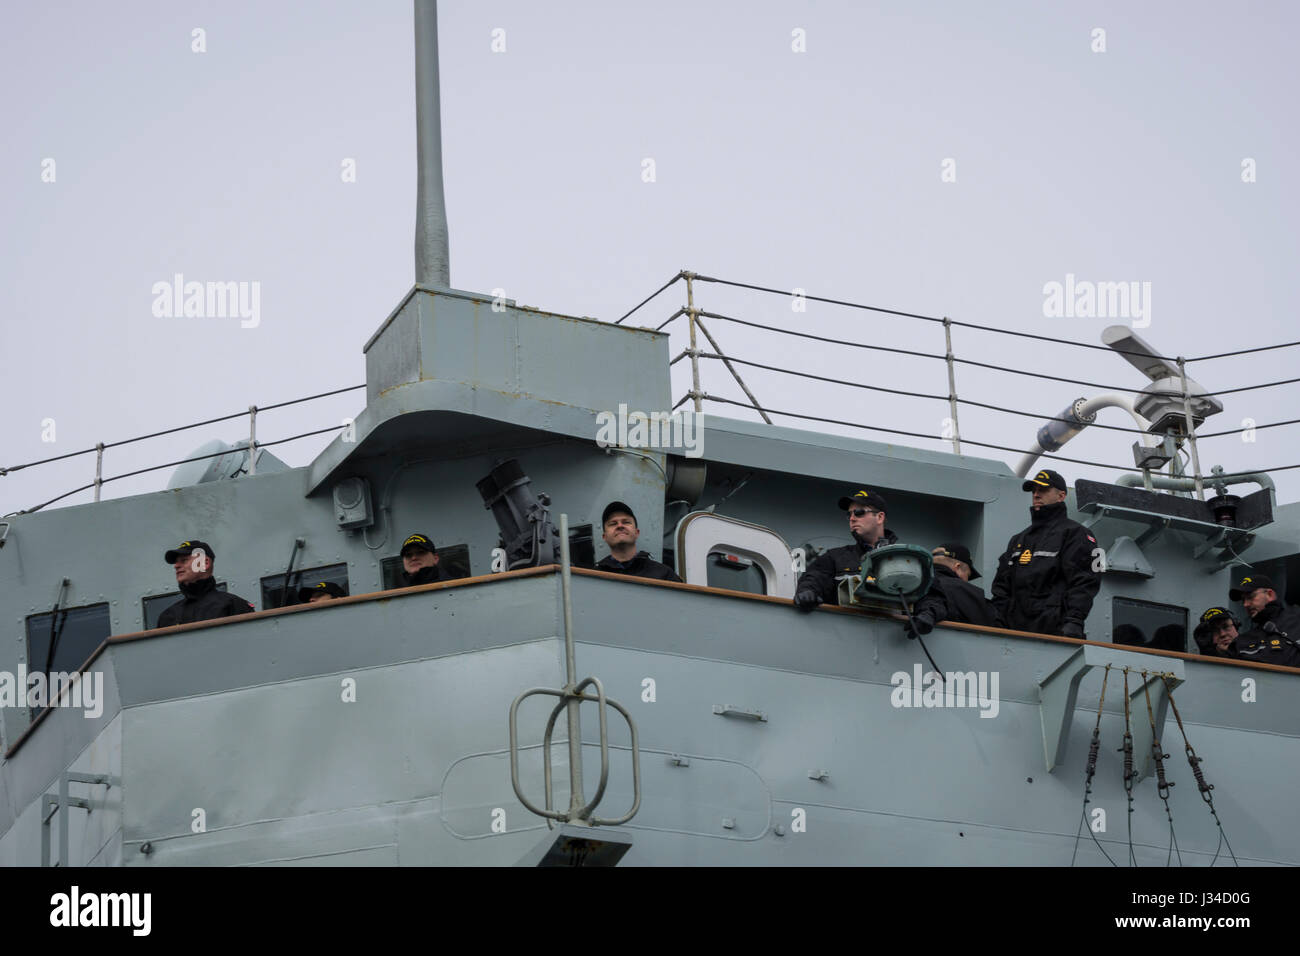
x,y
432,253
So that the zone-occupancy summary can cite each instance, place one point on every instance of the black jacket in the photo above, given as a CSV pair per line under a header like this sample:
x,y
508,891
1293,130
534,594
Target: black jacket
x,y
1045,577
952,599
641,566
824,574
1276,645
203,602
429,575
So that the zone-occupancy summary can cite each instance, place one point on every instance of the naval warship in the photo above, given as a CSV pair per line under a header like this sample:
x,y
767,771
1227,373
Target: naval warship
x,y
534,710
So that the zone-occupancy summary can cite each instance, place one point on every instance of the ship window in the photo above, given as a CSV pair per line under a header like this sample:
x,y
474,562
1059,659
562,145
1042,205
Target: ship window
x,y
155,604
582,550
1144,624
734,572
273,586
80,630
454,561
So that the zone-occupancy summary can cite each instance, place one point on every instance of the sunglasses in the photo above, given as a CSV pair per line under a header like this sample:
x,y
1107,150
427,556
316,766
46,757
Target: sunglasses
x,y
860,512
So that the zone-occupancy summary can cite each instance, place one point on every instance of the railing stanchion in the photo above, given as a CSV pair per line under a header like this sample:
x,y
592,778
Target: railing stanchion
x,y
1191,430
692,315
252,439
952,384
99,467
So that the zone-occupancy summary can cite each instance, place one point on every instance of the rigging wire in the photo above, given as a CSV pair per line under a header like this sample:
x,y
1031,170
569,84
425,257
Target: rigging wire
x,y
1201,784
1093,749
1128,769
1162,784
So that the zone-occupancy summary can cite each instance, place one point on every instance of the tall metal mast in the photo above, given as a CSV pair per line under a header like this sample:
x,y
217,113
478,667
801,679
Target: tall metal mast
x,y
432,251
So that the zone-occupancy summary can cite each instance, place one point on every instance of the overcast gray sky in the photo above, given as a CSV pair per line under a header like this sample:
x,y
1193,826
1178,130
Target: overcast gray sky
x,y
821,169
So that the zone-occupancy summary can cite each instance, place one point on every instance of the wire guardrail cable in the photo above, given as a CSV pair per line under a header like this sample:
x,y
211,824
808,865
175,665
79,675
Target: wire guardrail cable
x,y
961,361
821,338
897,431
181,428
915,394
965,441
172,464
675,278
931,318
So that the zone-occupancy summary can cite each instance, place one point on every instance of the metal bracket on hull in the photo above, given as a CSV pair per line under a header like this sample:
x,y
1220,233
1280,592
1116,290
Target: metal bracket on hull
x,y
61,805
1059,691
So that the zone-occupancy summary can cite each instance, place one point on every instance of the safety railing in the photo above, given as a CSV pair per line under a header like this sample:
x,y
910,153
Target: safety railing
x,y
252,447
1187,432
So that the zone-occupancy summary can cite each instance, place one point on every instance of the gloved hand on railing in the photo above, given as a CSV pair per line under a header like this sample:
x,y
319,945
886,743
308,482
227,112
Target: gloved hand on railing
x,y
919,624
1072,629
807,599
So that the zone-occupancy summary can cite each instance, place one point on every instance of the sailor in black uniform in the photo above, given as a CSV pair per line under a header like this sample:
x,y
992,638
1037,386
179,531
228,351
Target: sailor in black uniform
x,y
820,583
1274,634
420,561
951,596
1216,632
324,591
200,601
1045,580
619,530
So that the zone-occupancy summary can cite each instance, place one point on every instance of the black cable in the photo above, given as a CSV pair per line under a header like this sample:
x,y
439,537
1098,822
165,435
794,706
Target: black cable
x,y
172,464
997,368
913,394
1052,378
895,431
1238,431
911,630
1250,388
647,298
816,298
1262,348
660,326
820,338
932,318
179,428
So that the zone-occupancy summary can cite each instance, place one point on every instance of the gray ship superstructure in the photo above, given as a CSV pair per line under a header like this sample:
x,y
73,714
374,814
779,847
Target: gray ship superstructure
x,y
718,723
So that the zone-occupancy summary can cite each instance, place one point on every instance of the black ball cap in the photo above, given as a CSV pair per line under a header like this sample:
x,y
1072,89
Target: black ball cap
x,y
1216,615
418,541
616,508
863,499
189,547
1250,582
961,553
325,587
1044,479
